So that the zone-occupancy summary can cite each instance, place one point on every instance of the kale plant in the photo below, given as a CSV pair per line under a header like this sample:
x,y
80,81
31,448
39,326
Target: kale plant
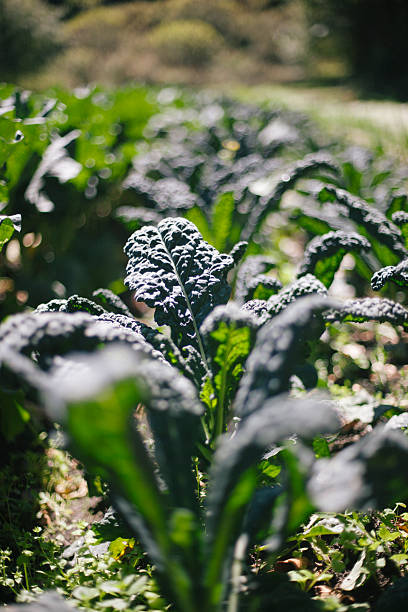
x,y
215,395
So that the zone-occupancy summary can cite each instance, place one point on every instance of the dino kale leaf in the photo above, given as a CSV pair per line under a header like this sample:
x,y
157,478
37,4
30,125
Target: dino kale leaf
x,y
367,474
323,255
385,237
311,164
110,301
398,274
172,269
266,309
369,309
56,333
252,281
229,335
280,346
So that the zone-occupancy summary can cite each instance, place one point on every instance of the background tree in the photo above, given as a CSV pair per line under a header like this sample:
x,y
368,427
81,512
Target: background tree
x,y
29,36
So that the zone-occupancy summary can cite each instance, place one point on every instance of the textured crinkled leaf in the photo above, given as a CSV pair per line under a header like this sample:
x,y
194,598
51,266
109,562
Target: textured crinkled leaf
x,y
369,220
258,515
232,483
167,195
398,421
369,309
251,274
97,408
189,363
56,333
306,285
228,334
238,251
258,308
323,255
280,347
366,474
400,217
312,163
262,287
55,305
111,302
134,217
171,268
398,274
74,303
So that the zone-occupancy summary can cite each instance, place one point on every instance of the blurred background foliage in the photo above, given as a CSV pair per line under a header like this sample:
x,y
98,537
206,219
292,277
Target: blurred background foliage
x,y
211,42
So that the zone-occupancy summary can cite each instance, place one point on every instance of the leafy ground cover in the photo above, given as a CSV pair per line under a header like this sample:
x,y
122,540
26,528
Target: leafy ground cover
x,y
237,393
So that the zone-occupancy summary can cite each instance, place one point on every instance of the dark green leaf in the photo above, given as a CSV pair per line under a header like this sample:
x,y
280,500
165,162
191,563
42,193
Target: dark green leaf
x,y
367,474
398,274
369,309
280,346
111,302
306,285
323,255
172,269
233,479
311,164
384,236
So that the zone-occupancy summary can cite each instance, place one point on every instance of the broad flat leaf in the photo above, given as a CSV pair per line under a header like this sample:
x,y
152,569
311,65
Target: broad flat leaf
x,y
8,225
228,334
369,309
172,269
365,475
280,347
323,255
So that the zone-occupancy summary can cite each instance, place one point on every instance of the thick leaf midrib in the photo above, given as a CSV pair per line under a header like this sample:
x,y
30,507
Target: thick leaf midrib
x,y
189,307
222,394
